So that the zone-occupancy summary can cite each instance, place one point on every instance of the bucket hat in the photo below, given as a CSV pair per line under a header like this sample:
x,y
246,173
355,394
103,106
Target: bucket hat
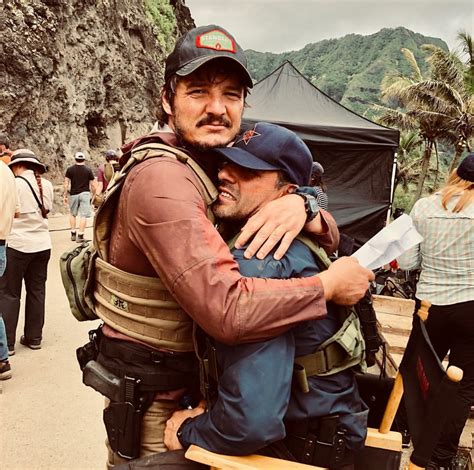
x,y
27,156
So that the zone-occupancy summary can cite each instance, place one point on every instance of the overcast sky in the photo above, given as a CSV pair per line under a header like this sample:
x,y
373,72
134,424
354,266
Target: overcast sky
x,y
286,25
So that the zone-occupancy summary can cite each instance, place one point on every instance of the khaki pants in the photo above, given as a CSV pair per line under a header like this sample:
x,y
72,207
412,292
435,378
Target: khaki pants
x,y
153,428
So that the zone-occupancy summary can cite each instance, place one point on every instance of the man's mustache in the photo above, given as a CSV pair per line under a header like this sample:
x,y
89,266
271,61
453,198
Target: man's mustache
x,y
214,120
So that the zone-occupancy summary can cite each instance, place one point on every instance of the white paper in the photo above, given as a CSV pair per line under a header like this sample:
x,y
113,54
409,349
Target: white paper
x,y
389,243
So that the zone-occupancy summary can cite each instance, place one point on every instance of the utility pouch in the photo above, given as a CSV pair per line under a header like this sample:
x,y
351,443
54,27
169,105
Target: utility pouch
x,y
76,268
330,449
318,441
208,366
368,322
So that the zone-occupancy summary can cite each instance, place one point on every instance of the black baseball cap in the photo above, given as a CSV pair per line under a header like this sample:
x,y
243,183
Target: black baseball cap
x,y
200,45
272,147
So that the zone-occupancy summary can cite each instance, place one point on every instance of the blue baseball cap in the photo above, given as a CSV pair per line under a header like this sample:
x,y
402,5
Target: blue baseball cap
x,y
271,147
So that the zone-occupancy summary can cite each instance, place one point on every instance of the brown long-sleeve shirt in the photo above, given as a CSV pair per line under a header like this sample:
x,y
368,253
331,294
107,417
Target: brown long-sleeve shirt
x,y
161,227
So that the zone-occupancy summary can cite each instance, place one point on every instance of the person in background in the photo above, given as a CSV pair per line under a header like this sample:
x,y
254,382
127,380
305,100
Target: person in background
x,y
318,185
446,258
5,152
9,207
79,183
106,171
28,251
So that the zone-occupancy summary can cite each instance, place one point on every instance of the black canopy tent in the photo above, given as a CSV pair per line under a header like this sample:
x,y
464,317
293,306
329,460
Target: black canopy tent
x,y
357,154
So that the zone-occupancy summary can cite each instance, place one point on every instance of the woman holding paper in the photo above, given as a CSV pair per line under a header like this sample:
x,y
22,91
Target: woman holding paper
x,y
446,257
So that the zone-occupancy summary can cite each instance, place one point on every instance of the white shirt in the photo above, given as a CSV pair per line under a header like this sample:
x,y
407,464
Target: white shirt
x,y
9,203
30,232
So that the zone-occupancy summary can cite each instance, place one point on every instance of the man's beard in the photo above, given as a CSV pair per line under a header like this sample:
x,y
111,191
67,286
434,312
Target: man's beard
x,y
228,214
203,146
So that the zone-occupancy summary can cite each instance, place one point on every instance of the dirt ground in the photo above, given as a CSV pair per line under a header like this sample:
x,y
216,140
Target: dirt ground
x,y
49,419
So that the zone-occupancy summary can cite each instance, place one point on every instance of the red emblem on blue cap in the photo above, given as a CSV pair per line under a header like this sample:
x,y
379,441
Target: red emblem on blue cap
x,y
248,136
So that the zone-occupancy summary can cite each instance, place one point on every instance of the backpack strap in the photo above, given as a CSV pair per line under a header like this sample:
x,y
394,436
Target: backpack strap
x,y
40,205
321,256
343,350
140,153
152,149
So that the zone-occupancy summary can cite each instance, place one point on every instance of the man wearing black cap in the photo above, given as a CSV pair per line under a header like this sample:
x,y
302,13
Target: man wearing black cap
x,y
253,392
161,227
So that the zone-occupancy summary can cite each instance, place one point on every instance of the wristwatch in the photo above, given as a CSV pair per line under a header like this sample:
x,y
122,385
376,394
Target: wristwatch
x,y
310,205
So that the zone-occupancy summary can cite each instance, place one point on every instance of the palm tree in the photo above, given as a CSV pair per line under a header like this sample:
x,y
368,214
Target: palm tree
x,y
466,46
409,159
438,107
455,102
403,90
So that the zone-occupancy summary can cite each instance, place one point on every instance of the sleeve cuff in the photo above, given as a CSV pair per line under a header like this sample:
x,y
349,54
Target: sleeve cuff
x,y
179,433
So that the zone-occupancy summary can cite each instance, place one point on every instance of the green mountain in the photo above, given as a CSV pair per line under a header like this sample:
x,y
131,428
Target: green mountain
x,y
349,69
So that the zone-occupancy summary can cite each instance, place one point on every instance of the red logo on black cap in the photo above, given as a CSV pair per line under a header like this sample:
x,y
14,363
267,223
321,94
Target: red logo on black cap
x,y
248,136
217,40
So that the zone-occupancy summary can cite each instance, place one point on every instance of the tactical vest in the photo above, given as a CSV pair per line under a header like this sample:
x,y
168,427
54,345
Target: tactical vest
x,y
344,350
140,306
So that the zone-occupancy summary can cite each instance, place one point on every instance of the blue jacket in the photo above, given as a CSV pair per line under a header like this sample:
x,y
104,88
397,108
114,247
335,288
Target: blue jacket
x,y
255,385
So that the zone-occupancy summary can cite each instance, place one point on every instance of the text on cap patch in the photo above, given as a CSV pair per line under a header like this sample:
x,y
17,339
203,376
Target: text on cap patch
x,y
217,40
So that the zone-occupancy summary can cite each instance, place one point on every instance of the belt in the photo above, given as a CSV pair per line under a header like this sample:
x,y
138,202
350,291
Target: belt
x,y
157,371
134,353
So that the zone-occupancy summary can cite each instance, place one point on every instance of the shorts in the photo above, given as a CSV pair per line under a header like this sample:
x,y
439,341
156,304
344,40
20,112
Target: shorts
x,y
80,204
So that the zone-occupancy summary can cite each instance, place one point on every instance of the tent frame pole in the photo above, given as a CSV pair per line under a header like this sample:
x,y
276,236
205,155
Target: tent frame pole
x,y
392,186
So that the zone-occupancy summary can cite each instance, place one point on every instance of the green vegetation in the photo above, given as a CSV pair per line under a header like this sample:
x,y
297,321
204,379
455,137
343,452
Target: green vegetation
x,y
350,69
401,79
161,14
437,108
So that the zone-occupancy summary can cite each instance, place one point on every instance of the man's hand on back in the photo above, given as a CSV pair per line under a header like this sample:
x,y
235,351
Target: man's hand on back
x,y
346,281
280,220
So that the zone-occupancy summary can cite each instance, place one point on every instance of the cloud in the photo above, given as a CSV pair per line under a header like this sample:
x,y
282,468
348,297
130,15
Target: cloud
x,y
282,25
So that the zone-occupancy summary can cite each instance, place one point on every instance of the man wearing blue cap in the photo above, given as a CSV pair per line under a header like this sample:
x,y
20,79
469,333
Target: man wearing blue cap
x,y
251,407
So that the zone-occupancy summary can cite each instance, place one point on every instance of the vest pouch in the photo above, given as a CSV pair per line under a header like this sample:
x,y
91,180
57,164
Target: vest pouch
x,y
141,307
343,350
350,339
76,274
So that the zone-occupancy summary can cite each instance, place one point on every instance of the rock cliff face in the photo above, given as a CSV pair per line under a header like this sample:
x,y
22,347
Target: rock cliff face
x,y
80,74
